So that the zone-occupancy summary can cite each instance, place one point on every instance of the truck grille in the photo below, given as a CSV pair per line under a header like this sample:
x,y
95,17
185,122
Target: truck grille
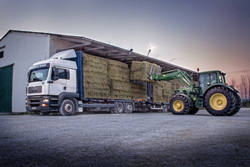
x,y
36,89
34,101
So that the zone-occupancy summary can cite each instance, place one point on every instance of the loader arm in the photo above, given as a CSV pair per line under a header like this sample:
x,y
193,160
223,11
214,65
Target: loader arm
x,y
182,76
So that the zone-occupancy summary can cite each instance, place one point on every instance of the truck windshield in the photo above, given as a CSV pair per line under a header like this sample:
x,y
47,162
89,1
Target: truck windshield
x,y
38,73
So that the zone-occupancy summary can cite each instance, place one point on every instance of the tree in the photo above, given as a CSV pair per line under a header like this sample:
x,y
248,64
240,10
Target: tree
x,y
234,82
244,85
248,78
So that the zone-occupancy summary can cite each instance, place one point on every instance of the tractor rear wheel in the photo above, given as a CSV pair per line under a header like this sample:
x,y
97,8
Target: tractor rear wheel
x,y
193,110
219,101
179,105
237,105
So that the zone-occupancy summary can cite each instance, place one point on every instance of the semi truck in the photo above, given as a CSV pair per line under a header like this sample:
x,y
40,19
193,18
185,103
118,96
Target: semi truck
x,y
56,85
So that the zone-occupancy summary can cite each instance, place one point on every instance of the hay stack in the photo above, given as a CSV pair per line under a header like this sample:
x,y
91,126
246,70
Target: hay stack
x,y
158,92
139,91
140,70
96,82
119,78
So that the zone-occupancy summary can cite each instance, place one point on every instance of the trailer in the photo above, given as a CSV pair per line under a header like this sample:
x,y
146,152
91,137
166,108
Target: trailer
x,y
56,85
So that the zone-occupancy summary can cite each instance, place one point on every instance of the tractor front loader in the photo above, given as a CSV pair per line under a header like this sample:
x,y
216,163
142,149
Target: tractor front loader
x,y
213,93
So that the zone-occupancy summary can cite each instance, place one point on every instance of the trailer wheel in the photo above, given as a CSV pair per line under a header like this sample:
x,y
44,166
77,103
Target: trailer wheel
x,y
128,108
219,101
237,105
119,108
179,105
193,110
67,107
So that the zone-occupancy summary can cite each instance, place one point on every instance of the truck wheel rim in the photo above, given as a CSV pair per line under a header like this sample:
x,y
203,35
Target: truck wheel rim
x,y
178,105
119,108
218,101
68,108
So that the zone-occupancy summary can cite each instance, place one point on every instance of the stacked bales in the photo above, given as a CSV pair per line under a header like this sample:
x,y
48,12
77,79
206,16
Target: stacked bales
x,y
167,90
139,91
119,78
96,82
157,92
140,70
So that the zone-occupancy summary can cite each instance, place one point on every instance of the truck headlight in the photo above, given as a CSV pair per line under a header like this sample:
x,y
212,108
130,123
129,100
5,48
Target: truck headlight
x,y
45,100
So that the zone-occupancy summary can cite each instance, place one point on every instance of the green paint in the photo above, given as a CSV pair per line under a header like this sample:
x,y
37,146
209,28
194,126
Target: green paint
x,y
6,74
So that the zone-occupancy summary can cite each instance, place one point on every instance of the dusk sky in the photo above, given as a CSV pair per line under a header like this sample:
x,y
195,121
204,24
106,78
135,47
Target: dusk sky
x,y
209,34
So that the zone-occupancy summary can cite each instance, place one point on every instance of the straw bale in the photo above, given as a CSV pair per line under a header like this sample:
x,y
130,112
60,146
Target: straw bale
x,y
119,85
140,71
139,91
114,63
96,93
90,59
120,94
119,74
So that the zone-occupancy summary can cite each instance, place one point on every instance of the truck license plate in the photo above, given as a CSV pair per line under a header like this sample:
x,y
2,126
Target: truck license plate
x,y
33,108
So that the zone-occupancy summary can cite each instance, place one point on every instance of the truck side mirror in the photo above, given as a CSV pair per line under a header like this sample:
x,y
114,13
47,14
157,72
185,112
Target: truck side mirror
x,y
55,74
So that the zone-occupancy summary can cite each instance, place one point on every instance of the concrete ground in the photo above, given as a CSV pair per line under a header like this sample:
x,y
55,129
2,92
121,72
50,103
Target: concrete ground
x,y
138,139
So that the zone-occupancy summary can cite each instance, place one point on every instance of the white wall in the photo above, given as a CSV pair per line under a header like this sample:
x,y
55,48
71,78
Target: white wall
x,y
22,50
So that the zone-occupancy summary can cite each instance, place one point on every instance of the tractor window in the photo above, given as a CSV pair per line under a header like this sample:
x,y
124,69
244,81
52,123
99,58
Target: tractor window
x,y
213,78
204,81
221,77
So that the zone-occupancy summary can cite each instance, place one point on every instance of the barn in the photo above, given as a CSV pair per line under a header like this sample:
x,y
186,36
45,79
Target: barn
x,y
20,49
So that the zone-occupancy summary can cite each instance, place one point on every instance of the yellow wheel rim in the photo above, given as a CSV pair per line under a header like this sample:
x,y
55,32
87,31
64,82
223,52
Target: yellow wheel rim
x,y
178,105
218,101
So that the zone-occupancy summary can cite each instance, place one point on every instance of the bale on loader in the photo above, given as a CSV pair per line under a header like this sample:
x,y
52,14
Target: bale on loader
x,y
140,71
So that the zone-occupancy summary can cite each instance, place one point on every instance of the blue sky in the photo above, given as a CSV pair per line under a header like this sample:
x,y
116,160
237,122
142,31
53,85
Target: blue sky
x,y
209,34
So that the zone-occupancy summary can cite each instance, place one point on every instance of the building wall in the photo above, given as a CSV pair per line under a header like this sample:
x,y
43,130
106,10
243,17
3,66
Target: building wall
x,y
22,50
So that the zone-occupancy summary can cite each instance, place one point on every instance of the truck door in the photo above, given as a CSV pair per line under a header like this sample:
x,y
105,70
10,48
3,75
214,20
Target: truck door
x,y
59,81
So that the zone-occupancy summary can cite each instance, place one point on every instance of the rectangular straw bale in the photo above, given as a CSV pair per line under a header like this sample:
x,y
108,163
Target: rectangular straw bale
x,y
120,94
114,63
96,93
90,59
120,85
116,73
139,91
140,71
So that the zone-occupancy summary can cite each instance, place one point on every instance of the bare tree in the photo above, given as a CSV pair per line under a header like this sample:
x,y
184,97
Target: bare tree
x,y
248,78
234,82
244,84
241,91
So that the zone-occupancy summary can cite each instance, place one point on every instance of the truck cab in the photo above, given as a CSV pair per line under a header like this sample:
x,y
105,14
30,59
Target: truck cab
x,y
48,79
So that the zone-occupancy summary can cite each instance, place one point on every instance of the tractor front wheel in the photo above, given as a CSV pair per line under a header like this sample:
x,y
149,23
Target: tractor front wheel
x,y
219,101
179,105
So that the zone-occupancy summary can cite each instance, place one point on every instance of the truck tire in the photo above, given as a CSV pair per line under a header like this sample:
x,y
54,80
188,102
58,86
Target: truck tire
x,y
219,101
128,108
237,105
179,105
193,110
67,107
119,108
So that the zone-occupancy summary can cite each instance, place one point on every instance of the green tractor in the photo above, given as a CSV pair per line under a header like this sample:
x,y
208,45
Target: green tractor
x,y
212,92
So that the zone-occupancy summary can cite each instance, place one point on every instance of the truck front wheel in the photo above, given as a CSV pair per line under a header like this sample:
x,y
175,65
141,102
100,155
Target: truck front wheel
x,y
179,105
67,108
219,101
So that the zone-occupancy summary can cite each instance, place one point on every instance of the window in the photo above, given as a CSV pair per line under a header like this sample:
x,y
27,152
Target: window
x,y
59,73
63,74
1,54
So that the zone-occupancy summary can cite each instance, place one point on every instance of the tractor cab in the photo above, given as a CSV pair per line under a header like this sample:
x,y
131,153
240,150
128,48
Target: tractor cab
x,y
209,78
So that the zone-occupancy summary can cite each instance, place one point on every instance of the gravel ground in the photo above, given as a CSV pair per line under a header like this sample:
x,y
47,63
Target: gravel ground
x,y
138,139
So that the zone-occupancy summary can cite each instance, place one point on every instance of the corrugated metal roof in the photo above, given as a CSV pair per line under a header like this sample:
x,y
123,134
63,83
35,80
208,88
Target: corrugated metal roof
x,y
101,49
